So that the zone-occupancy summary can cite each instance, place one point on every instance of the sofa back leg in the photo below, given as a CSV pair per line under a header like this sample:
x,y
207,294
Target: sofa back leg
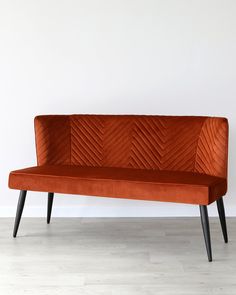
x,y
50,202
20,207
221,211
206,230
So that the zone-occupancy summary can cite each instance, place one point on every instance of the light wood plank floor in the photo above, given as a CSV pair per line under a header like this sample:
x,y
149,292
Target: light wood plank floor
x,y
122,256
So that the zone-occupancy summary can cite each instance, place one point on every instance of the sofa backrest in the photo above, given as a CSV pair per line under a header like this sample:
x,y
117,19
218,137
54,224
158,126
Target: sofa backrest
x,y
179,143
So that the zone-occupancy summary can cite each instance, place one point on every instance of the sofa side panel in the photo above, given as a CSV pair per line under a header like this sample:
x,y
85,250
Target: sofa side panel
x,y
52,137
212,149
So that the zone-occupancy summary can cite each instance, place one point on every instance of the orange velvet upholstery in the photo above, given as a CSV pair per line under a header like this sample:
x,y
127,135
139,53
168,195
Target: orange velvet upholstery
x,y
142,184
161,158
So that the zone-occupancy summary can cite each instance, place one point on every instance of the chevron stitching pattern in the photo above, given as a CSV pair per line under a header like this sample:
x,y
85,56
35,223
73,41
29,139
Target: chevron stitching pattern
x,y
144,142
86,140
181,143
117,142
148,142
211,155
53,141
164,143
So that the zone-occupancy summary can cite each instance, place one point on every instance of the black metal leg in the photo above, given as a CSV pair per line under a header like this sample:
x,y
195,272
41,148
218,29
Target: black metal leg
x,y
221,211
206,230
20,207
50,202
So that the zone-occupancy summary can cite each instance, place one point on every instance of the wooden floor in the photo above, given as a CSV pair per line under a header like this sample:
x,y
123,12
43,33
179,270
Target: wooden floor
x,y
123,256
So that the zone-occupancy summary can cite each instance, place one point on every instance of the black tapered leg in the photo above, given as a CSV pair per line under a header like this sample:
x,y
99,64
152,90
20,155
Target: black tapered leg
x,y
20,207
50,202
221,211
206,230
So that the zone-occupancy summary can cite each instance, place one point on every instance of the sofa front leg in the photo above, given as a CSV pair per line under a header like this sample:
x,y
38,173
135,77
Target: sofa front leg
x,y
206,230
50,202
221,211
20,207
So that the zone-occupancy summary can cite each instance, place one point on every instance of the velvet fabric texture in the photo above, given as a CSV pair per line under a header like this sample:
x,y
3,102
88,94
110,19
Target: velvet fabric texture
x,y
165,158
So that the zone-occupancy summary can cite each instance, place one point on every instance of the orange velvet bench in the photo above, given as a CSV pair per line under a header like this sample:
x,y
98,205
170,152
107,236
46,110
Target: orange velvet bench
x,y
180,159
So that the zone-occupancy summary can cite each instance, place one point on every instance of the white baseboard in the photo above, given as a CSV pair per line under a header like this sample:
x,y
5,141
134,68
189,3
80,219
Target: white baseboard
x,y
162,210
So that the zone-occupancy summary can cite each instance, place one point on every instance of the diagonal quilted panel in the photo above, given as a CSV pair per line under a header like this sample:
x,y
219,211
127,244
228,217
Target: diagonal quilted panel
x,y
52,135
181,143
165,143
212,151
117,141
86,140
198,144
148,142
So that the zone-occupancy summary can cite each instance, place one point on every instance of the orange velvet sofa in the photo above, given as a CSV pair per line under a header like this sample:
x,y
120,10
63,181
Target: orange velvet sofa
x,y
179,159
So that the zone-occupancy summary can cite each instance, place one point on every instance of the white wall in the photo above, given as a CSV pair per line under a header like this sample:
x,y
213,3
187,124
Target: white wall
x,y
112,56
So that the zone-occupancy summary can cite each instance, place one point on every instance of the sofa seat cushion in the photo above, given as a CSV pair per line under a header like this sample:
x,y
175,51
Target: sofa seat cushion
x,y
154,185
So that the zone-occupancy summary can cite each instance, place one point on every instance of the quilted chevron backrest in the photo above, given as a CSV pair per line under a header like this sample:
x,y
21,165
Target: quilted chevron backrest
x,y
197,144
